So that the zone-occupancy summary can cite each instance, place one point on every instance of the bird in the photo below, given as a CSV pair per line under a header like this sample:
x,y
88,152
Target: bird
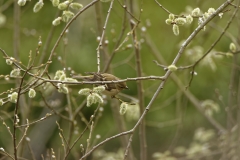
x,y
111,89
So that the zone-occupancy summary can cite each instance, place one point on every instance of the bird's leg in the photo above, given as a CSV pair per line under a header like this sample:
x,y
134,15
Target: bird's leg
x,y
121,101
117,99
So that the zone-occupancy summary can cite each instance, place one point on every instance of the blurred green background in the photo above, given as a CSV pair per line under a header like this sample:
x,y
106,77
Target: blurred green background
x,y
172,119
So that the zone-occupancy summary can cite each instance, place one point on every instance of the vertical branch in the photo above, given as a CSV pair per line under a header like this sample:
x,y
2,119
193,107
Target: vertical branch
x,y
15,119
232,87
142,131
71,117
128,147
99,19
102,37
16,30
238,114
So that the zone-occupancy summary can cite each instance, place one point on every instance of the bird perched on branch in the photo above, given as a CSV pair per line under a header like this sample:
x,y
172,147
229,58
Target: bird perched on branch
x,y
110,88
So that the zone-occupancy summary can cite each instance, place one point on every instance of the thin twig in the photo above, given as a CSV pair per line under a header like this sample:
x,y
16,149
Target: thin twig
x,y
128,147
41,119
108,139
80,136
53,110
8,155
102,37
125,8
24,134
62,135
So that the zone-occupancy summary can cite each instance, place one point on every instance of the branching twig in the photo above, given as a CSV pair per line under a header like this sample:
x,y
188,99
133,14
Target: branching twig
x,y
41,119
24,135
15,119
209,50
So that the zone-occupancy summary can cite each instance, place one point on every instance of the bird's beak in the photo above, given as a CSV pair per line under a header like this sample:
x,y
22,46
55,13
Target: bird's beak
x,y
126,87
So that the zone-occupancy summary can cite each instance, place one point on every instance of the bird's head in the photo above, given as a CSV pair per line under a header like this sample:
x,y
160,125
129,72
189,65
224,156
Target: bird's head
x,y
122,85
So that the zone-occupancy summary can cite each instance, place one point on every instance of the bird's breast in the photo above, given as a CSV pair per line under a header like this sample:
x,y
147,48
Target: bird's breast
x,y
111,92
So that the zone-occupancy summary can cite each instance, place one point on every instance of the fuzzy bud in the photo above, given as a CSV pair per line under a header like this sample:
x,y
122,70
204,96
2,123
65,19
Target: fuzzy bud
x,y
62,77
123,108
169,21
63,89
38,6
176,29
63,6
211,10
180,21
13,97
94,98
90,100
9,61
2,19
189,19
22,2
206,15
67,15
28,139
55,3
1,102
220,15
171,16
40,43
196,12
172,68
76,6
57,21
99,89
85,91
31,93
58,74
98,98
15,72
232,47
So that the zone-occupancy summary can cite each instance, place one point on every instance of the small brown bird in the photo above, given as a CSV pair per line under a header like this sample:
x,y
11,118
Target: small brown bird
x,y
111,88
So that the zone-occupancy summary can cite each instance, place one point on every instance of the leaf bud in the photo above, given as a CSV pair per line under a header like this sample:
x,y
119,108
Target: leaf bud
x,y
57,21
172,68
123,108
196,12
38,6
232,47
31,93
76,6
55,3
13,97
15,72
176,29
22,2
180,21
